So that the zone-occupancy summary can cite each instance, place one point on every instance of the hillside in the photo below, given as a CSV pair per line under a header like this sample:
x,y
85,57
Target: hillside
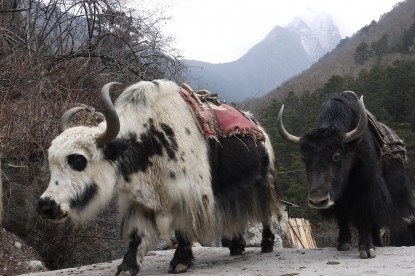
x,y
284,52
389,32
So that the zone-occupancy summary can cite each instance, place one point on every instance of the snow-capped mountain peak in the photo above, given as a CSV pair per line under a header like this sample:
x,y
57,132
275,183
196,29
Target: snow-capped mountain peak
x,y
317,32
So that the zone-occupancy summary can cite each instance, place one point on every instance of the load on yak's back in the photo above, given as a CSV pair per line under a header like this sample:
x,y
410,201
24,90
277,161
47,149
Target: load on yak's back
x,y
355,168
172,168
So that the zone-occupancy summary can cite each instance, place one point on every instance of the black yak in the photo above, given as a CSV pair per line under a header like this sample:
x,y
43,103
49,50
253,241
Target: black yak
x,y
349,177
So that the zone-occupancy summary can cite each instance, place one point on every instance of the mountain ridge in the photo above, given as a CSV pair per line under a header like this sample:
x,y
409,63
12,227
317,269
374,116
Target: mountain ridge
x,y
389,29
279,56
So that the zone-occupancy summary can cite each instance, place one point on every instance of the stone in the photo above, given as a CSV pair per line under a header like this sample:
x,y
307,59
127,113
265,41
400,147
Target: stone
x,y
36,265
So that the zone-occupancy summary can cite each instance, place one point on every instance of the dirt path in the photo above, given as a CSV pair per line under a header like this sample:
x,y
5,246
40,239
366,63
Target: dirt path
x,y
287,262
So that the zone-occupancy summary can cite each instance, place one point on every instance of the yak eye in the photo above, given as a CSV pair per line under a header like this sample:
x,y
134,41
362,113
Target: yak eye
x,y
77,162
336,157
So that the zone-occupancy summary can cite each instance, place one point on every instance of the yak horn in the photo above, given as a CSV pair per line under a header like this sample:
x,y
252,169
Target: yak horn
x,y
281,130
409,221
63,122
111,116
361,126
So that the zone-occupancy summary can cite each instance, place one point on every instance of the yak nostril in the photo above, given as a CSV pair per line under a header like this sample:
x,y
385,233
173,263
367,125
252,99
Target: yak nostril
x,y
47,208
320,201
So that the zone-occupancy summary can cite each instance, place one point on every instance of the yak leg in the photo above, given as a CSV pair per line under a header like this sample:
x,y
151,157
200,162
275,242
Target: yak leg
x,y
183,256
377,240
366,248
137,230
344,240
129,263
226,241
268,238
237,245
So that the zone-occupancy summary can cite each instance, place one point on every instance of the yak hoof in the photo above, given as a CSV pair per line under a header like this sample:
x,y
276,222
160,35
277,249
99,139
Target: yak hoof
x,y
237,251
266,248
180,268
344,246
267,244
129,264
366,254
226,242
123,267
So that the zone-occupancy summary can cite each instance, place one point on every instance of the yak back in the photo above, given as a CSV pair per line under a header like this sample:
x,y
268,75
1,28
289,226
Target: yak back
x,y
217,119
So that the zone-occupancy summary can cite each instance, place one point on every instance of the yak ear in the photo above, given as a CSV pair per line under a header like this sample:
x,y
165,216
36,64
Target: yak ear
x,y
114,149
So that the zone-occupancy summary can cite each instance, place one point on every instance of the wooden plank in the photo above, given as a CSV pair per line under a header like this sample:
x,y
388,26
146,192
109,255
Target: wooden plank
x,y
300,233
306,233
307,230
312,242
312,238
301,226
296,233
291,232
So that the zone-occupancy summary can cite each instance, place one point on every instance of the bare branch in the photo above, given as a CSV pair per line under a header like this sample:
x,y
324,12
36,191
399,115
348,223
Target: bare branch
x,y
13,10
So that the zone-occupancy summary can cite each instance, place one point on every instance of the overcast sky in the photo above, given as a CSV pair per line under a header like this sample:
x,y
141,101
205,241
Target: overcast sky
x,y
223,30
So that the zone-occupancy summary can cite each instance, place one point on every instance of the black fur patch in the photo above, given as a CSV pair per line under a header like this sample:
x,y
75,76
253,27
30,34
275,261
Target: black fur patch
x,y
237,245
129,263
187,131
77,162
170,145
82,199
239,170
133,156
183,254
268,238
114,149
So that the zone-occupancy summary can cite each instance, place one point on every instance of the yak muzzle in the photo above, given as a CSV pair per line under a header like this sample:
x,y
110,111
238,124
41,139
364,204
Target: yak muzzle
x,y
320,201
48,209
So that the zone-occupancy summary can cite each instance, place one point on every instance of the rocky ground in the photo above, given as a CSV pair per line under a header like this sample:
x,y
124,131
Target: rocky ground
x,y
283,262
16,257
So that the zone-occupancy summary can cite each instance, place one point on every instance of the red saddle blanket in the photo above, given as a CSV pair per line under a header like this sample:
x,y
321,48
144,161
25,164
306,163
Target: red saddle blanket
x,y
217,119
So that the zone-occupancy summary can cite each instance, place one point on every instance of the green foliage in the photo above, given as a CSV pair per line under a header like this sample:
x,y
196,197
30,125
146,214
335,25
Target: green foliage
x,y
343,42
335,84
389,93
362,53
408,39
380,47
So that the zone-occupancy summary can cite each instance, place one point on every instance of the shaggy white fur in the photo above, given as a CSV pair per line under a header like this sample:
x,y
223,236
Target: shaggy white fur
x,y
170,194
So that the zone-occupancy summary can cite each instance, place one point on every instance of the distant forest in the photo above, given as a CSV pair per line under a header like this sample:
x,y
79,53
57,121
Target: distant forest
x,y
389,93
